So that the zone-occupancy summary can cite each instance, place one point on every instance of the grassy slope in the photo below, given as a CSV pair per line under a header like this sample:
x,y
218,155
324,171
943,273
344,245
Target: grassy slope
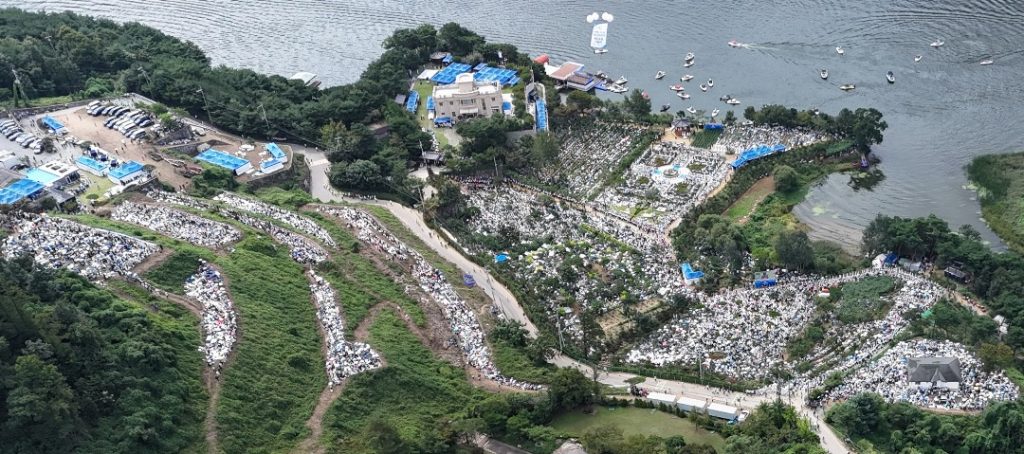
x,y
633,421
1000,179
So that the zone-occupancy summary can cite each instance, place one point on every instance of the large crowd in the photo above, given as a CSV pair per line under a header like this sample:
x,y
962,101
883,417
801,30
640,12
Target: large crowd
x,y
60,243
177,224
220,326
889,376
589,151
743,333
742,138
465,327
344,358
289,218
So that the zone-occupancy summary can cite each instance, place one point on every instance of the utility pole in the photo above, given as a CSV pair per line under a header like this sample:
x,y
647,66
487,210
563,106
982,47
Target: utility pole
x,y
18,87
263,113
146,75
206,105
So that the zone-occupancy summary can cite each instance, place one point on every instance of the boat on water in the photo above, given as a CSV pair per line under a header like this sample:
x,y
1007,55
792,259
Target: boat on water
x,y
703,87
645,95
889,76
688,64
986,62
840,51
824,73
725,97
622,80
714,113
691,110
683,95
938,43
711,83
734,44
918,58
659,75
617,89
601,51
601,75
677,87
732,101
666,107
686,78
689,56
847,87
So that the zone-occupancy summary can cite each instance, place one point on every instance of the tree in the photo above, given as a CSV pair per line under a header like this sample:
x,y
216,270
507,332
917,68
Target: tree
x,y
730,117
863,126
545,149
794,250
47,146
637,106
40,406
606,439
383,438
786,179
860,415
571,389
995,356
360,174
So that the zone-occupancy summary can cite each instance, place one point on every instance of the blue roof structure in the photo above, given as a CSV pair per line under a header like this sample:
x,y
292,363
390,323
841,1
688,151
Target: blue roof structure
x,y
689,273
542,115
8,196
19,190
125,169
268,164
221,159
485,73
506,106
52,123
447,75
40,176
443,120
891,259
430,103
713,126
412,101
91,163
275,151
757,153
448,59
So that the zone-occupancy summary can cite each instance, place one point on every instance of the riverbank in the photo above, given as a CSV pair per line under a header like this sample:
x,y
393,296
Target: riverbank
x,y
999,180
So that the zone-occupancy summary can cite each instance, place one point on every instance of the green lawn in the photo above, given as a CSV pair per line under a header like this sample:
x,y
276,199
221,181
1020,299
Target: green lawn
x,y
706,138
642,421
746,203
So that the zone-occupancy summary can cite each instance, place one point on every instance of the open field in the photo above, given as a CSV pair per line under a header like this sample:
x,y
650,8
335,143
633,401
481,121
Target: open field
x,y
749,200
632,421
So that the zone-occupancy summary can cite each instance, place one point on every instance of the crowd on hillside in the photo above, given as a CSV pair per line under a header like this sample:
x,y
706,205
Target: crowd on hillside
x,y
344,358
465,327
589,151
292,219
177,224
220,326
889,376
60,243
742,138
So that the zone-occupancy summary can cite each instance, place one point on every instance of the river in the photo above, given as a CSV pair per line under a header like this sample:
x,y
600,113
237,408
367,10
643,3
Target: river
x,y
941,112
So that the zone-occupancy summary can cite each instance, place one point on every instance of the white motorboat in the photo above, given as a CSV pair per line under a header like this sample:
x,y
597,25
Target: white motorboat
x,y
840,51
725,97
824,74
691,110
847,87
918,58
677,87
714,113
703,87
889,76
711,83
659,75
689,56
622,81
617,89
600,51
686,78
688,64
938,43
732,101
986,62
602,75
683,95
733,43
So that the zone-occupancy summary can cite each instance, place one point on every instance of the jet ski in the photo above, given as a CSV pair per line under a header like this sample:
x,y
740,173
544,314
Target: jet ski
x,y
840,51
938,43
686,78
847,87
890,77
703,87
824,74
659,75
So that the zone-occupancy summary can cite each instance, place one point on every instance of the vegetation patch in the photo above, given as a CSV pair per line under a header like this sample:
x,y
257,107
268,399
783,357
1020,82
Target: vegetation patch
x,y
1000,181
705,138
862,301
172,273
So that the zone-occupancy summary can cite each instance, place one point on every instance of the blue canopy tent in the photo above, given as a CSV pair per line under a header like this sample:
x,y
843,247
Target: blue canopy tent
x,y
713,126
689,273
501,258
765,279
447,75
890,259
54,125
447,59
443,121
430,103
542,115
757,153
412,102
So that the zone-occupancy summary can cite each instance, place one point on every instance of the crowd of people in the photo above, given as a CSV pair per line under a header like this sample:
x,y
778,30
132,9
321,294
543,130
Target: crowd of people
x,y
743,333
344,358
738,139
220,326
289,218
589,151
889,376
59,243
465,327
177,224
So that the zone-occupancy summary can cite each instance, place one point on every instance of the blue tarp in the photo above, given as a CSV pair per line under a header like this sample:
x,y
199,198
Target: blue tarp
x,y
764,283
91,163
506,106
689,273
443,121
501,258
275,151
485,73
468,280
52,123
713,126
268,164
8,196
891,259
125,169
447,75
479,66
430,103
25,187
542,115
448,59
40,176
412,101
221,159
757,153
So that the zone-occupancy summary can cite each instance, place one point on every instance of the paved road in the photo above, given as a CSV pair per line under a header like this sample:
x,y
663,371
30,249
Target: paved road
x,y
413,220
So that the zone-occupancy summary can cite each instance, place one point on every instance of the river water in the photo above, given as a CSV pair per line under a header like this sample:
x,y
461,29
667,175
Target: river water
x,y
941,111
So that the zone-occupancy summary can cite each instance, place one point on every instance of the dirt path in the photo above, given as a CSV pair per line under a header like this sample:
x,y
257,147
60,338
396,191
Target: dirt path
x,y
316,421
153,260
761,189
